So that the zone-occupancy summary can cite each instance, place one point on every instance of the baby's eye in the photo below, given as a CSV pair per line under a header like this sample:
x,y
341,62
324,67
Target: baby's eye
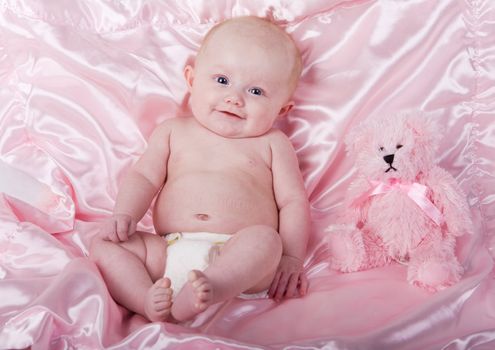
x,y
222,80
256,91
399,146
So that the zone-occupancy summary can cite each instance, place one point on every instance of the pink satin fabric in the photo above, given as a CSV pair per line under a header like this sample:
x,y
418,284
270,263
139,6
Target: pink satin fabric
x,y
84,83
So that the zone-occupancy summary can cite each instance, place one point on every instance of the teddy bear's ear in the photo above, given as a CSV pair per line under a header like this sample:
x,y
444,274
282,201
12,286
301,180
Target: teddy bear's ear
x,y
358,137
425,129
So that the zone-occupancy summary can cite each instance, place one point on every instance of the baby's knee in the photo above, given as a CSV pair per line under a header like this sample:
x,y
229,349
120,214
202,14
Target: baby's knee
x,y
101,250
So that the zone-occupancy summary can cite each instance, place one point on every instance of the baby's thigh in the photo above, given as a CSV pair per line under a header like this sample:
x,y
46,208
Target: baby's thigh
x,y
259,245
151,251
258,250
257,238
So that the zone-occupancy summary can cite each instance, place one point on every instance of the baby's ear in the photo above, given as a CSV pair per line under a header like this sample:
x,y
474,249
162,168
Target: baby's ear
x,y
189,75
286,109
358,137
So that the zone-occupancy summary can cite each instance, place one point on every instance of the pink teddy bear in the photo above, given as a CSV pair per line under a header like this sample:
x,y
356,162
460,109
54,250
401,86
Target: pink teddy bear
x,y
401,207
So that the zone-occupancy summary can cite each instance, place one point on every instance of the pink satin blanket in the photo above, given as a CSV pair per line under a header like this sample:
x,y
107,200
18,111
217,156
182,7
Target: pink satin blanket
x,y
83,83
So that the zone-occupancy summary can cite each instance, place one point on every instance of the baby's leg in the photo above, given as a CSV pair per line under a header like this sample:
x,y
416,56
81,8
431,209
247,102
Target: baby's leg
x,y
133,271
246,263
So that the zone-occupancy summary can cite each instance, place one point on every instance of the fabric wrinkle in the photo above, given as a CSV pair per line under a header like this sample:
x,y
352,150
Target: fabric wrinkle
x,y
82,86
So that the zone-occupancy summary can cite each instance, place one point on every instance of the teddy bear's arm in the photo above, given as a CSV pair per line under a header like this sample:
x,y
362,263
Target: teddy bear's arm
x,y
356,203
449,198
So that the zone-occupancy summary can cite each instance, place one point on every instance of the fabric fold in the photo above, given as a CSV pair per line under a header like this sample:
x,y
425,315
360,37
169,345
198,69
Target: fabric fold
x,y
82,86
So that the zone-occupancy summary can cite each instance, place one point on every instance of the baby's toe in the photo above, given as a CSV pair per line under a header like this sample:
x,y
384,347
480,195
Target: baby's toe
x,y
194,275
158,298
203,294
163,306
202,285
162,283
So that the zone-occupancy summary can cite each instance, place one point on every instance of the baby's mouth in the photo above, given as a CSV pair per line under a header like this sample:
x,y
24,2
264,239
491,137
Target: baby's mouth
x,y
231,115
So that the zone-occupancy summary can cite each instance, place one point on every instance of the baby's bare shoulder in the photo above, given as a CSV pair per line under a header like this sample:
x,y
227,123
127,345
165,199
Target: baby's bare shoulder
x,y
173,123
169,126
278,140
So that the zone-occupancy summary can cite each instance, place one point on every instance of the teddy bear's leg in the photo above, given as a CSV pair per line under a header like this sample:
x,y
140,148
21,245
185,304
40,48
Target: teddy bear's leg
x,y
434,266
347,252
376,253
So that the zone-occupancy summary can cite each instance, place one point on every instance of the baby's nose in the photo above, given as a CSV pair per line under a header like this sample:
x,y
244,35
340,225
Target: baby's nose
x,y
234,99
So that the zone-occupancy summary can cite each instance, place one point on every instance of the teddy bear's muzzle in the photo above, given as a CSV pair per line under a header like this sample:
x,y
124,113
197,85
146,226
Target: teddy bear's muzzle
x,y
389,159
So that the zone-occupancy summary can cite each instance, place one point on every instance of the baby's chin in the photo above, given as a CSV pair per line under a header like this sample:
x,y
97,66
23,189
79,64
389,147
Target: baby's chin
x,y
226,130
232,129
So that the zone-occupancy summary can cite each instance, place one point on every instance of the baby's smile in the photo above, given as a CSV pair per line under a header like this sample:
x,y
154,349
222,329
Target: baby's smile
x,y
230,114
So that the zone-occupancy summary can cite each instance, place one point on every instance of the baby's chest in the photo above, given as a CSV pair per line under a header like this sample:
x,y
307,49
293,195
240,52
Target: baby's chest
x,y
220,155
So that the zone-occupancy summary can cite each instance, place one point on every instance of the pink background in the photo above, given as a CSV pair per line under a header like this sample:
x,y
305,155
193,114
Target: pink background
x,y
84,83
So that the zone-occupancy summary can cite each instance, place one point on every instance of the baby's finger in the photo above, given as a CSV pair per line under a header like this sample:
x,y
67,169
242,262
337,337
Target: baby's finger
x,y
282,287
122,229
292,286
273,286
112,233
303,285
113,237
132,228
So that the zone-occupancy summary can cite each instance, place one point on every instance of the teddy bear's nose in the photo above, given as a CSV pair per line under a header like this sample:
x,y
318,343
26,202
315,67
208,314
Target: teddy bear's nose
x,y
389,158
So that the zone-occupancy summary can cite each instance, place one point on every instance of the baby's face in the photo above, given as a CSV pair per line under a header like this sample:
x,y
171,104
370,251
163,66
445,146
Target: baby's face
x,y
240,84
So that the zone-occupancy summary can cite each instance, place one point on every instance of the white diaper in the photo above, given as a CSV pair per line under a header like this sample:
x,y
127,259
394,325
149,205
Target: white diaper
x,y
189,251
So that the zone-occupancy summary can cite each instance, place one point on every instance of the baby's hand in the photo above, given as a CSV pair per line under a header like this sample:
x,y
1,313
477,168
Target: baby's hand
x,y
289,279
118,228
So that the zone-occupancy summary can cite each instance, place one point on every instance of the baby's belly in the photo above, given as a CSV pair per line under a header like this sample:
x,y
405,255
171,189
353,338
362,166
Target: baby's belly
x,y
213,202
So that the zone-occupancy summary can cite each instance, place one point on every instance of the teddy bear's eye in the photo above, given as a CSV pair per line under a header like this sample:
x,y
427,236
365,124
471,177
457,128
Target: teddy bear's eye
x,y
399,146
381,148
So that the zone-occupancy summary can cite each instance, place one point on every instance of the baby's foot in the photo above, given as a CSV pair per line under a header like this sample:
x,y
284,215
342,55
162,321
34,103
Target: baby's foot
x,y
194,297
158,301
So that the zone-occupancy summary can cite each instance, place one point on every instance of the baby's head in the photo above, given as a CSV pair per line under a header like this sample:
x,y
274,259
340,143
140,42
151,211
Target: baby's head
x,y
243,77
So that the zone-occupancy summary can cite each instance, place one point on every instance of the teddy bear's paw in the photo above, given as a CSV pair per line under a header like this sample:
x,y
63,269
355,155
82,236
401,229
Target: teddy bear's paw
x,y
346,247
434,275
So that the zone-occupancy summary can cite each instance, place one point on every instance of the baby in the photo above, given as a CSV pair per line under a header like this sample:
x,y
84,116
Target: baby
x,y
231,211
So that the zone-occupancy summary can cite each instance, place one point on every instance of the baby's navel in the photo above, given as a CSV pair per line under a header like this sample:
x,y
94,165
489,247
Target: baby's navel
x,y
202,217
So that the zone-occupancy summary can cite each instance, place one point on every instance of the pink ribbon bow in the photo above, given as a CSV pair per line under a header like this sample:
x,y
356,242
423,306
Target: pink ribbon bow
x,y
415,191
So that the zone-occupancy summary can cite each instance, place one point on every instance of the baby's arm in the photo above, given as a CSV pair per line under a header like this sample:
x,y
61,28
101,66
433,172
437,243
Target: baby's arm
x,y
139,187
294,219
